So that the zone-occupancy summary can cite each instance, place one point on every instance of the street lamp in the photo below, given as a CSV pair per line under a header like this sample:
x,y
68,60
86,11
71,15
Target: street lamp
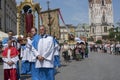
x,y
49,16
115,33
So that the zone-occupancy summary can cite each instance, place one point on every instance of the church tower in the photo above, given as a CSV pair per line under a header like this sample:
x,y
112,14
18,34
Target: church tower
x,y
101,18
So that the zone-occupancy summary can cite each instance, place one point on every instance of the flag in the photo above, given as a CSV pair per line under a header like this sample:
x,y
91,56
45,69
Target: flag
x,y
54,22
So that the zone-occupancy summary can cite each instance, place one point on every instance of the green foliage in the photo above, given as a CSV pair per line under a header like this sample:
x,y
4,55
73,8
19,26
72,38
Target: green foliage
x,y
118,37
114,34
111,35
90,39
98,42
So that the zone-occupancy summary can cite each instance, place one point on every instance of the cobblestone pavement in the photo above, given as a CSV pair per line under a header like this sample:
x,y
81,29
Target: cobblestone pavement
x,y
99,66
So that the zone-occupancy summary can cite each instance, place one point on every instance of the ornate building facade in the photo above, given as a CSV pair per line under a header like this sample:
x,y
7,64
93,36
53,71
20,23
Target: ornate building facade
x,y
101,18
82,30
8,17
64,35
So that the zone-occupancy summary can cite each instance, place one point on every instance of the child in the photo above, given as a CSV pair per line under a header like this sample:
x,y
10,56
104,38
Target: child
x,y
56,55
25,55
10,58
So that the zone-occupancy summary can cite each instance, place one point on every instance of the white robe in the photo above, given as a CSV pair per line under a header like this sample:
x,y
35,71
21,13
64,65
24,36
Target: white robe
x,y
46,50
29,52
56,50
25,53
14,59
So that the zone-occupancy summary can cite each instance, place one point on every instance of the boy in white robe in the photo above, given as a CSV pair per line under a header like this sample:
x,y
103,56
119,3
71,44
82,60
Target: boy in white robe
x,y
35,39
56,55
10,58
25,55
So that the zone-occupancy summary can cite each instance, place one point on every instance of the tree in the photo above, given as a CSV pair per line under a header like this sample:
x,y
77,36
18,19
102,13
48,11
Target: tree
x,y
114,34
98,42
118,37
111,35
90,39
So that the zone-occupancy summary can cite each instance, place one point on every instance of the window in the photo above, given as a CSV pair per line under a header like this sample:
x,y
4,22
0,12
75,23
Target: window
x,y
93,30
105,29
103,18
0,4
103,2
0,23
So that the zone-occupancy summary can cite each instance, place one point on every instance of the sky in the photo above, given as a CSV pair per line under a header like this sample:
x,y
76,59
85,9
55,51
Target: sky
x,y
75,11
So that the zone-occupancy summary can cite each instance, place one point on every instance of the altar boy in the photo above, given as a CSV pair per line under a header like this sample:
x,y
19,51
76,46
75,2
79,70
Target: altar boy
x,y
10,58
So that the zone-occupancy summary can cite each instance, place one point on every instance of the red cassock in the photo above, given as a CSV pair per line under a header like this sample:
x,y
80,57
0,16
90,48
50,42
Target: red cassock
x,y
29,22
10,73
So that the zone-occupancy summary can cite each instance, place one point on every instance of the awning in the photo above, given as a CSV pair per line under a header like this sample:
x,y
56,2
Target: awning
x,y
79,40
3,35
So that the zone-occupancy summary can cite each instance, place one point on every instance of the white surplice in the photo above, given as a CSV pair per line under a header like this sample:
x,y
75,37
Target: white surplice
x,y
28,53
46,50
8,58
56,50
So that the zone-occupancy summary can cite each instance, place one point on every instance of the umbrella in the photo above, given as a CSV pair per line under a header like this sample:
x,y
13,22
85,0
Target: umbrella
x,y
79,40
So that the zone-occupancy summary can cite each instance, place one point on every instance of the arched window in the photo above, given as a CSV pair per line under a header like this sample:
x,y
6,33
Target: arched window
x,y
103,2
103,18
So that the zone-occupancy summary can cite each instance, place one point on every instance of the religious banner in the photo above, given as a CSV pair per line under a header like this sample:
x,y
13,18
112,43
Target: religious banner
x,y
29,22
53,28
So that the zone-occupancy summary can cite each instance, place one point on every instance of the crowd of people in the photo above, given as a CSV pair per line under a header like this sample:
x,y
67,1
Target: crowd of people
x,y
111,48
37,53
76,52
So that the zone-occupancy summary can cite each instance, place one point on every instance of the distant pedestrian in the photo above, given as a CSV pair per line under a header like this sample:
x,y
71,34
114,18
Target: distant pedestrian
x,y
65,52
86,50
77,52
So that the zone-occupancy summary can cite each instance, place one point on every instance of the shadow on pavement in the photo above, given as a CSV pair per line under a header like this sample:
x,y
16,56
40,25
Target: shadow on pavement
x,y
25,77
57,72
63,65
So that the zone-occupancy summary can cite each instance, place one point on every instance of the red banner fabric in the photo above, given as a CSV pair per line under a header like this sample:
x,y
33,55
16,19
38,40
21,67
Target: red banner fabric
x,y
29,22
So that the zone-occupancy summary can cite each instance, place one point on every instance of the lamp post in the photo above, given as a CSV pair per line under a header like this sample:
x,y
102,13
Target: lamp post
x,y
49,17
115,33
